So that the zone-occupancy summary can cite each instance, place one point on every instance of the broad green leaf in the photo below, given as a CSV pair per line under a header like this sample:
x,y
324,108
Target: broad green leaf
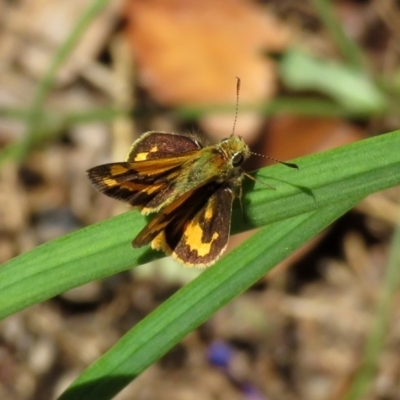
x,y
104,249
351,88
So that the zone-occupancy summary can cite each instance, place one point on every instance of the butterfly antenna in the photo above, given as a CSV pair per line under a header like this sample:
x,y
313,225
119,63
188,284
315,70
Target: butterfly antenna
x,y
291,165
237,105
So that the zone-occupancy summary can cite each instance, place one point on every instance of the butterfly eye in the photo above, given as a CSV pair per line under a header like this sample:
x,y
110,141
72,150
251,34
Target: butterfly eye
x,y
237,159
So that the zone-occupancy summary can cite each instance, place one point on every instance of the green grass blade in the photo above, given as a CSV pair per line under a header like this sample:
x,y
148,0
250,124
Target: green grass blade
x,y
104,249
53,124
379,329
297,105
196,302
329,16
47,81
358,169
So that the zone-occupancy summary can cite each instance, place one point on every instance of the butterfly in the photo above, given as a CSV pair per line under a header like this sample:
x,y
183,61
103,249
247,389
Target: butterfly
x,y
190,187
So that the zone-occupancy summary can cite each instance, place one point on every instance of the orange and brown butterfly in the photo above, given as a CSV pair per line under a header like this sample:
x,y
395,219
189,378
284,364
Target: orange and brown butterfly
x,y
190,187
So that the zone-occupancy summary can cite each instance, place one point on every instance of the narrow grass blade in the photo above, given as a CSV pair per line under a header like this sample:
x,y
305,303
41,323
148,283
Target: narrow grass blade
x,y
197,301
330,18
375,341
46,83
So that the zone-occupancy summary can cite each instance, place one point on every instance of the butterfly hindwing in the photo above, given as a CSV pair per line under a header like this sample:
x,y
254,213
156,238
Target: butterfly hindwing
x,y
195,228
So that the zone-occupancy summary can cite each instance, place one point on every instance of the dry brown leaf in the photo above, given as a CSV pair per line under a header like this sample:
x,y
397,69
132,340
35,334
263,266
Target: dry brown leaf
x,y
294,136
189,52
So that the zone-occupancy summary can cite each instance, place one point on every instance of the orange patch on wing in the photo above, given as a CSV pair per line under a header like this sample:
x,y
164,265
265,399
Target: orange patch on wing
x,y
118,169
143,156
194,239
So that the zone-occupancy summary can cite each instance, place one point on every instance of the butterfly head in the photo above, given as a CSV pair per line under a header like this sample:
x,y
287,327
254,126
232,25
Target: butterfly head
x,y
236,150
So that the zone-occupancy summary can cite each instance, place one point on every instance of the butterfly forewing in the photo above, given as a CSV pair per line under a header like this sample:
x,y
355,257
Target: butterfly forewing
x,y
156,145
143,181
